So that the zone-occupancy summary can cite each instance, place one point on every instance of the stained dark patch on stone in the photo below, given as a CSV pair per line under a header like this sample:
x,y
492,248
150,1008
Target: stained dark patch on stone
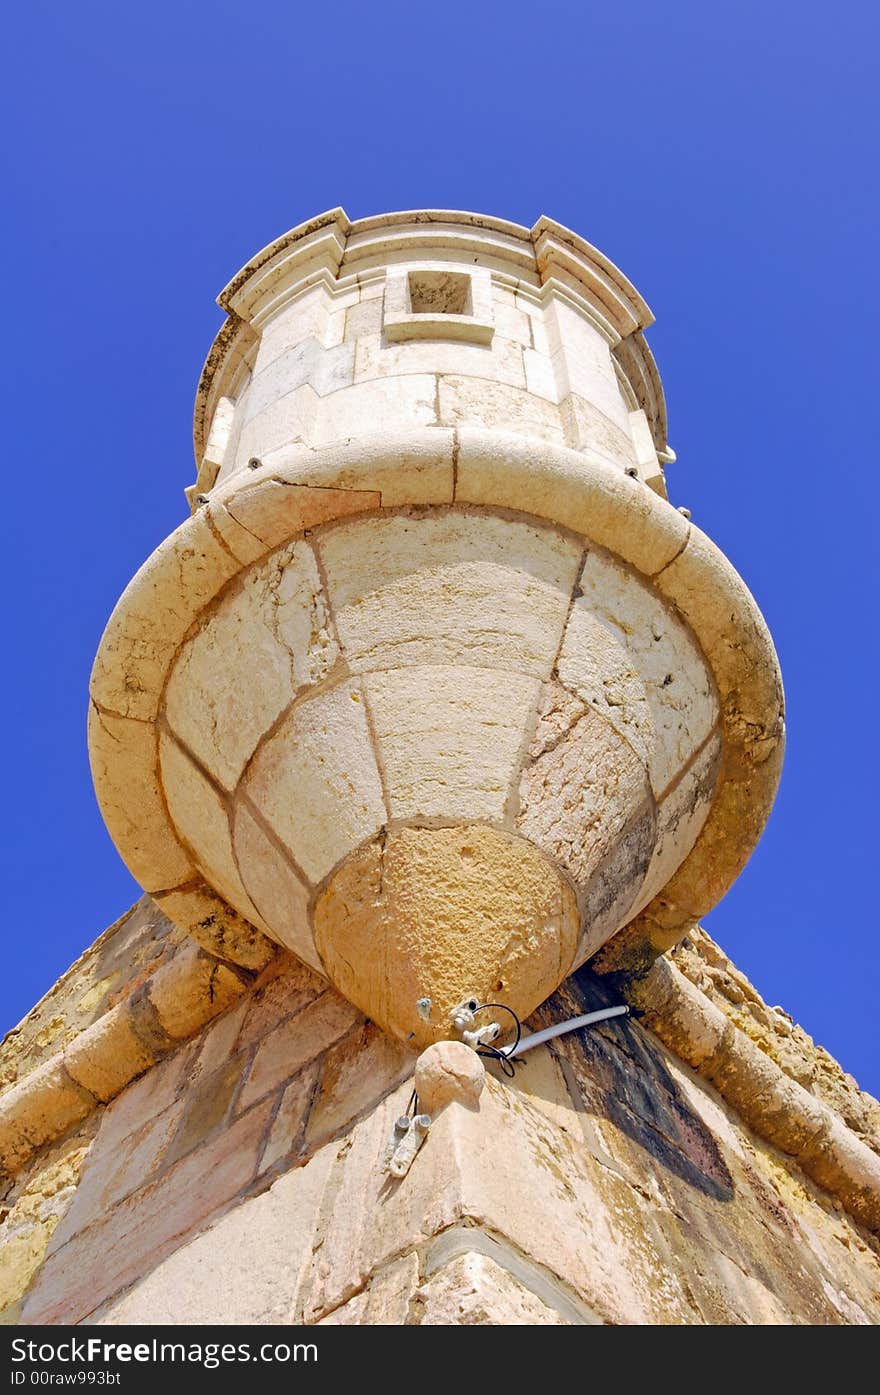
x,y
621,1077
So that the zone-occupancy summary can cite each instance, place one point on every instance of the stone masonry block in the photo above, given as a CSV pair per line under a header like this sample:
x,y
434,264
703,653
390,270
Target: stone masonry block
x,y
296,1042
245,1269
107,1055
433,588
191,990
281,896
123,755
474,1291
277,621
139,1232
201,816
42,1106
322,746
450,738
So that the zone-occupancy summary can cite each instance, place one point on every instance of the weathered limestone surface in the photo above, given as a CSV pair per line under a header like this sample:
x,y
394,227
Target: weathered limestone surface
x,y
240,1180
424,588
445,666
772,1029
279,893
430,498
448,1071
628,656
442,666
444,914
442,642
680,816
214,925
449,738
474,1291
437,692
111,969
581,821
134,800
201,817
322,746
276,623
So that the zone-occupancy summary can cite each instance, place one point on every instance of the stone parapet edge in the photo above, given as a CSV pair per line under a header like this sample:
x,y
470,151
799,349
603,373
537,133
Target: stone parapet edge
x,y
705,964
328,249
774,1105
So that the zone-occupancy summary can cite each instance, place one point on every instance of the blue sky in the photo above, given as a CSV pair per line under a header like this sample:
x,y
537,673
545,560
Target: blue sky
x,y
723,155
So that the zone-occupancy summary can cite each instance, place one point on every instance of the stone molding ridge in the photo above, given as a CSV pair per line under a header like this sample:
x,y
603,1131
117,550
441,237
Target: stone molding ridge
x,y
779,1110
92,1069
547,244
335,219
231,351
785,1041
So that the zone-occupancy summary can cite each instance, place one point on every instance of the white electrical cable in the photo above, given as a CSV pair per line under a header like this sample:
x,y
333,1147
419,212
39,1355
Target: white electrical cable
x,y
559,1028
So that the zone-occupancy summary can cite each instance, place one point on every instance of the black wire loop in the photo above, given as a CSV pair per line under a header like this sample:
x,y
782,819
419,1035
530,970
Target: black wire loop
x,y
504,1058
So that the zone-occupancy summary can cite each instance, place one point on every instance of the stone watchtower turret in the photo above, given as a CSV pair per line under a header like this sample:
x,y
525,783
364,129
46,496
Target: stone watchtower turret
x,y
435,688
434,715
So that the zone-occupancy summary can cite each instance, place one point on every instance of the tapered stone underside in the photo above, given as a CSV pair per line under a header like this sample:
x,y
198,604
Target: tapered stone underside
x,y
451,666
442,915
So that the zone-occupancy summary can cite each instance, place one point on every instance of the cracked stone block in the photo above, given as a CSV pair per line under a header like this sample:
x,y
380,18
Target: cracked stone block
x,y
385,1302
680,817
474,1291
449,586
281,896
578,797
482,402
627,655
323,746
276,622
354,411
202,820
450,738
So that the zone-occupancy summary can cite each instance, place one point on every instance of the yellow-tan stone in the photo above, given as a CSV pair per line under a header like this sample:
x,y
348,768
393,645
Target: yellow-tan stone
x,y
626,655
444,914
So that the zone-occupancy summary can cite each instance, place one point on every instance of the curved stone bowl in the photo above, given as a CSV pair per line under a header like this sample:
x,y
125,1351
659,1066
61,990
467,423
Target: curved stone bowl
x,y
443,713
